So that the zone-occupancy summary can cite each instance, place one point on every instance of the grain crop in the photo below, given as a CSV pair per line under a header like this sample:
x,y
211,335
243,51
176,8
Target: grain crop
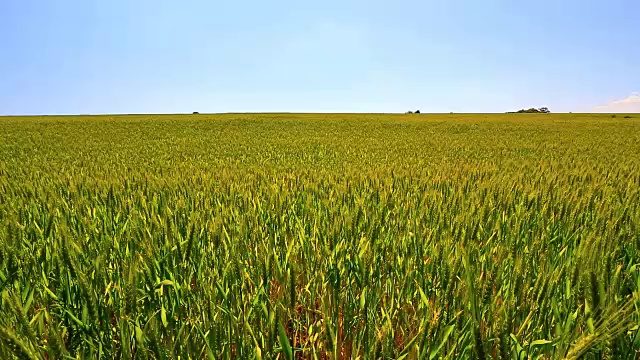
x,y
320,236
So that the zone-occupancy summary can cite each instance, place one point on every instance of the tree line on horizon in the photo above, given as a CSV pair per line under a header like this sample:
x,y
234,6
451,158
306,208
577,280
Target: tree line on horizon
x,y
542,110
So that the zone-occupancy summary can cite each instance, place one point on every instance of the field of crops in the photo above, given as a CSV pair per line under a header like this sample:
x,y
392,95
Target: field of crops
x,y
320,236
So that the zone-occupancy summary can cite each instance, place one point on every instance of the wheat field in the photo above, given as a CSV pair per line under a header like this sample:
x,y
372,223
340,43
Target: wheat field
x,y
320,236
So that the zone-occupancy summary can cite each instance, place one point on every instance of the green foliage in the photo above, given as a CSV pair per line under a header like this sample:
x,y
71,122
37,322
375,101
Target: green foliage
x,y
328,236
542,110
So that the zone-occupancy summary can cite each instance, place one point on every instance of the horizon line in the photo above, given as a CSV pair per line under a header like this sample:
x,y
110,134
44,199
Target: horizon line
x,y
308,113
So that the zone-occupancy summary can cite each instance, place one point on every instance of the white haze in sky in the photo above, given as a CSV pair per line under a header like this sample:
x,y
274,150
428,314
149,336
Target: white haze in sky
x,y
630,104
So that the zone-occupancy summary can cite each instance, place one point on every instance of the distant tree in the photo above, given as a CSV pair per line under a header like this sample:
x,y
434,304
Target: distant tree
x,y
195,113
542,110
613,116
417,112
409,112
627,117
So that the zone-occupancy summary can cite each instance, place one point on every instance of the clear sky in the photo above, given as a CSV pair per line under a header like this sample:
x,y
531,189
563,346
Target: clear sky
x,y
157,56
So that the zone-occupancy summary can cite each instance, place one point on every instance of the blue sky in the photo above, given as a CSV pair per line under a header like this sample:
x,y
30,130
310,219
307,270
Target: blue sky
x,y
143,56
